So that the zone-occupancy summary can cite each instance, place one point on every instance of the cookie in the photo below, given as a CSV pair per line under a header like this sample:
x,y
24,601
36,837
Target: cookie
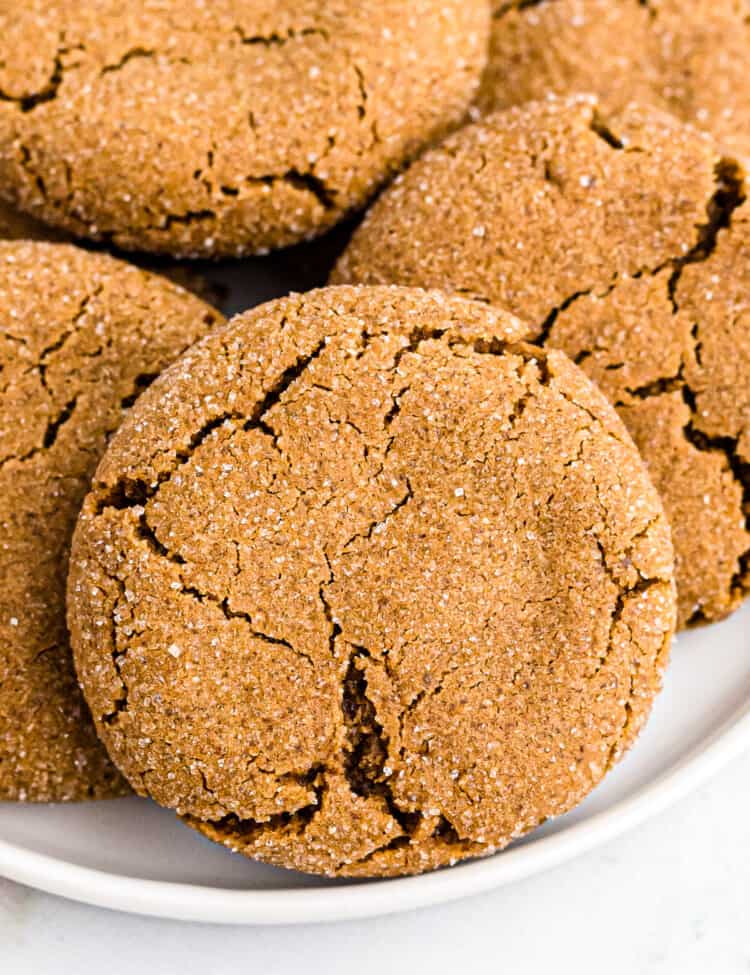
x,y
81,335
365,587
222,129
690,59
626,243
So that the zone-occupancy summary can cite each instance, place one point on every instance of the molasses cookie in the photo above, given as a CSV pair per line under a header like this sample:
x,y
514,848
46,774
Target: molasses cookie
x,y
690,59
81,335
624,241
364,586
223,128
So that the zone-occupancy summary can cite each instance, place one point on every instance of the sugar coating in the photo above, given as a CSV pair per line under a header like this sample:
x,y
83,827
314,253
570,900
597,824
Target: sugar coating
x,y
625,241
80,336
690,59
223,128
364,586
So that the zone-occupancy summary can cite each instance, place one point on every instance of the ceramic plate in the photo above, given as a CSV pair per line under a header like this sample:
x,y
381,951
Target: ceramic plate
x,y
131,855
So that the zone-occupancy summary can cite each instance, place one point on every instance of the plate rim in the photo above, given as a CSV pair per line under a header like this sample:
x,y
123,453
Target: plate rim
x,y
291,906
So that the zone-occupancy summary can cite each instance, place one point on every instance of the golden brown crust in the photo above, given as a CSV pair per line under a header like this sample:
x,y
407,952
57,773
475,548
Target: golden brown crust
x,y
606,233
223,128
364,587
690,59
81,334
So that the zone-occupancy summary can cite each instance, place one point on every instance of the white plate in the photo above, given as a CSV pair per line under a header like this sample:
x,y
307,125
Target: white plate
x,y
131,855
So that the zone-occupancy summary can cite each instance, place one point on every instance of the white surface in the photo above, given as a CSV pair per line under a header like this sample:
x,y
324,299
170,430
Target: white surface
x,y
131,855
669,898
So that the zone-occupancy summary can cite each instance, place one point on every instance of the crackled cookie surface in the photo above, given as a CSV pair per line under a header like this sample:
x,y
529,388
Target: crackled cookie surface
x,y
690,59
364,587
80,336
625,241
228,127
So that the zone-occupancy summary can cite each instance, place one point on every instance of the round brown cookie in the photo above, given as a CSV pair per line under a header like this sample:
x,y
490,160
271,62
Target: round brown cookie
x,y
225,128
363,587
691,59
607,235
80,335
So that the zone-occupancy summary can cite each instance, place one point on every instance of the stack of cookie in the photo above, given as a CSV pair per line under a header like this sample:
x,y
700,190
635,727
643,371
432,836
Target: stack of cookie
x,y
380,576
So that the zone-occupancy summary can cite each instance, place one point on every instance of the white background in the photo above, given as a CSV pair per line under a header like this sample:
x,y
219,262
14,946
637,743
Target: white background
x,y
672,896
